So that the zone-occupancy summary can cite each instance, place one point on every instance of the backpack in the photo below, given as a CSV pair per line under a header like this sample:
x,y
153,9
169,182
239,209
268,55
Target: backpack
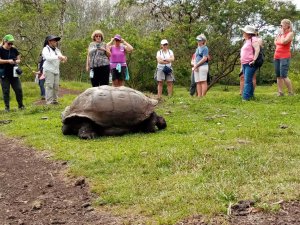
x,y
260,58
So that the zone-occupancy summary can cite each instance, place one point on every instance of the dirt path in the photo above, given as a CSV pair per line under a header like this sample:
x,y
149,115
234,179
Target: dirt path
x,y
33,191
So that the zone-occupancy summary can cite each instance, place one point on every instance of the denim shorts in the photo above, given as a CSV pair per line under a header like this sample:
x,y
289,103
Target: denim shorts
x,y
282,67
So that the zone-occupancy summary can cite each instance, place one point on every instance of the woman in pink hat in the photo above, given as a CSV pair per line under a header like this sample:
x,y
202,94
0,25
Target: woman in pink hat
x,y
249,53
118,48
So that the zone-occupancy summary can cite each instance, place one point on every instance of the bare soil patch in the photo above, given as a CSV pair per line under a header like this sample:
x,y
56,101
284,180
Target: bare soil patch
x,y
33,191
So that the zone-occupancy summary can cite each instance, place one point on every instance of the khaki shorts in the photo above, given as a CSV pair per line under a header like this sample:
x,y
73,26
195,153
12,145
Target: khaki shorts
x,y
201,74
160,76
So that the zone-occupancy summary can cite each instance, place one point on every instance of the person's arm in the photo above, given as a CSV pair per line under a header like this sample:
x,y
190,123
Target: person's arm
x,y
289,37
128,47
7,61
111,42
107,50
160,60
87,65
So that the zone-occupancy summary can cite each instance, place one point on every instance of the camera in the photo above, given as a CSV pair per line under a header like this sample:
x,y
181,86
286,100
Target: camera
x,y
97,45
19,71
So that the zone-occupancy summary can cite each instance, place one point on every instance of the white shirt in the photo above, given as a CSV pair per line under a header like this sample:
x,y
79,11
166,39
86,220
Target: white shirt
x,y
164,55
52,61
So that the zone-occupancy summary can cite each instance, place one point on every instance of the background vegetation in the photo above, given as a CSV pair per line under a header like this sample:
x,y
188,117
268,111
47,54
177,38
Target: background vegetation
x,y
144,23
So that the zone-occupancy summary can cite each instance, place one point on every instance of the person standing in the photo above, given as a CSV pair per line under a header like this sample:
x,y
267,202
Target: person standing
x,y
164,72
52,56
9,58
282,56
118,48
201,66
249,53
193,85
97,62
241,75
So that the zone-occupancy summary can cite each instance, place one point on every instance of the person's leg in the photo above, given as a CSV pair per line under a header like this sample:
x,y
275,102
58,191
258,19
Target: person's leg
x,y
170,88
278,77
56,88
42,88
254,81
104,75
284,68
203,87
97,77
203,72
288,84
5,84
242,82
159,89
248,76
17,87
199,89
49,84
193,85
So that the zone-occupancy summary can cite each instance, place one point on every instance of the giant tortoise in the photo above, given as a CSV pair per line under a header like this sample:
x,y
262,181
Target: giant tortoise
x,y
106,111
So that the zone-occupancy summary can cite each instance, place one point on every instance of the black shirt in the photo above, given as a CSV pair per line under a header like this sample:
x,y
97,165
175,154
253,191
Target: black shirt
x,y
12,53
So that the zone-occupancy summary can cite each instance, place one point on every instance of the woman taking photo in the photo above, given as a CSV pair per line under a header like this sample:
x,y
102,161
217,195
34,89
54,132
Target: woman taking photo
x,y
249,53
164,58
9,58
119,47
201,66
282,56
97,62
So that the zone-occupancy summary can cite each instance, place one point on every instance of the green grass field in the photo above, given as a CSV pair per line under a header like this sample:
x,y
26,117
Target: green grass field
x,y
215,151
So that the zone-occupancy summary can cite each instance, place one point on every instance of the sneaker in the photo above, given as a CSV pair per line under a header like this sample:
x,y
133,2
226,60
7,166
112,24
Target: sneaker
x,y
54,103
280,94
43,98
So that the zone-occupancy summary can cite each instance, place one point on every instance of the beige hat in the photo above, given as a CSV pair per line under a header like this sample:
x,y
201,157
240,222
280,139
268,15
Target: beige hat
x,y
249,29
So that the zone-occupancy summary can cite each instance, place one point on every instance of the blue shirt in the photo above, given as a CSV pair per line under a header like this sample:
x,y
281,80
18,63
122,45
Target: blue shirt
x,y
200,53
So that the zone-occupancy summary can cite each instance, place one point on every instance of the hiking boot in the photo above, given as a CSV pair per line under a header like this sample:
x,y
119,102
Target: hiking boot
x,y
43,98
22,107
280,94
54,103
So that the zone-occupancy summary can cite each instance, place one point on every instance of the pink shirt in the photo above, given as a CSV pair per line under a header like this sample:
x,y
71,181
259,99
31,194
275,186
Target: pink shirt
x,y
282,51
247,51
118,55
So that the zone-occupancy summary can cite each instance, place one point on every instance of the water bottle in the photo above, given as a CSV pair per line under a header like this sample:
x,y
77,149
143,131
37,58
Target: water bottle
x,y
15,71
91,73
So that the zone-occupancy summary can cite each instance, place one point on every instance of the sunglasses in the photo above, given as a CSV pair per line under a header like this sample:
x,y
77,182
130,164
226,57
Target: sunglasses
x,y
96,36
9,43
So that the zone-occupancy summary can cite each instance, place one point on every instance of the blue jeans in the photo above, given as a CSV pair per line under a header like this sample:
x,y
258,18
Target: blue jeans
x,y
249,72
42,87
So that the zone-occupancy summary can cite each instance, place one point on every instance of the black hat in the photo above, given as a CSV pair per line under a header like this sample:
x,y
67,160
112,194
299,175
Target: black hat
x,y
52,37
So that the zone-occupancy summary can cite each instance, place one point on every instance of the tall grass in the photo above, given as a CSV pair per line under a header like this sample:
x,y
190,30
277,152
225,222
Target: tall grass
x,y
215,151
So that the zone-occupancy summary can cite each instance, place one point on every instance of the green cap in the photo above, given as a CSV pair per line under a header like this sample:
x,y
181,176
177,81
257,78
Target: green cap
x,y
8,37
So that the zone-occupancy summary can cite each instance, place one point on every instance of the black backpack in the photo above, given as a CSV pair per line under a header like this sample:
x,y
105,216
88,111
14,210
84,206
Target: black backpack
x,y
260,58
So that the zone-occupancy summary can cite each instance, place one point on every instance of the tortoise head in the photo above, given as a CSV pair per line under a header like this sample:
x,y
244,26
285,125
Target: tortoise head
x,y
161,123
